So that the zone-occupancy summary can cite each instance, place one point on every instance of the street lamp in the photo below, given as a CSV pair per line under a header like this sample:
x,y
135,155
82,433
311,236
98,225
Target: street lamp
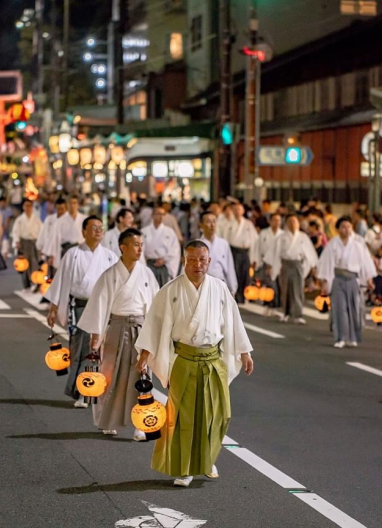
x,y
91,42
88,57
100,83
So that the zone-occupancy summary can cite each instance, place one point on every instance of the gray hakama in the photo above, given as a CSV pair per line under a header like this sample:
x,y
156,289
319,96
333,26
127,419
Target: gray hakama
x,y
347,316
292,287
119,358
161,274
79,346
242,265
29,250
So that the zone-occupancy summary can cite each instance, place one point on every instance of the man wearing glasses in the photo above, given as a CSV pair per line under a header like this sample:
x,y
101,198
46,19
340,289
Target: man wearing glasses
x,y
71,288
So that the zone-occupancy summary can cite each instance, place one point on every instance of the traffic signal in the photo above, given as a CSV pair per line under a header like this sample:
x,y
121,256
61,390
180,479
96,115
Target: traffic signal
x,y
21,126
227,133
293,155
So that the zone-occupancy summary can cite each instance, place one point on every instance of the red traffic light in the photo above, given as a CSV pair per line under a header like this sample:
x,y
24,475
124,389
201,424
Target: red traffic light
x,y
259,54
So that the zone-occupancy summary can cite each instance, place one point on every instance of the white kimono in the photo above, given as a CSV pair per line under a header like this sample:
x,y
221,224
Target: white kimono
x,y
198,317
242,235
45,235
118,292
288,246
77,275
65,230
354,257
26,227
110,241
162,243
264,242
222,266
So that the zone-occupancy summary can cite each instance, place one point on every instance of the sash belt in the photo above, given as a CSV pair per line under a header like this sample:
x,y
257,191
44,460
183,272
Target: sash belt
x,y
345,274
191,353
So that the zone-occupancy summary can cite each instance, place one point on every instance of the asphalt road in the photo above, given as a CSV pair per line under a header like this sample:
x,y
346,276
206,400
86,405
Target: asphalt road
x,y
306,422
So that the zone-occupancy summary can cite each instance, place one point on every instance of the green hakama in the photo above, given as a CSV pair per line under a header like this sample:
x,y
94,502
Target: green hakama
x,y
198,413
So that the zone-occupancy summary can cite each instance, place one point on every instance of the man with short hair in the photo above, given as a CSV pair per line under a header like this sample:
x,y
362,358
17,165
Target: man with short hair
x,y
124,220
161,248
45,236
67,232
25,233
291,256
241,236
70,290
195,342
114,316
344,266
222,266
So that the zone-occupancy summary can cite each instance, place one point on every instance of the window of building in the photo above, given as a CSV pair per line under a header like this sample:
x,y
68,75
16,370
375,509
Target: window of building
x,y
196,32
176,46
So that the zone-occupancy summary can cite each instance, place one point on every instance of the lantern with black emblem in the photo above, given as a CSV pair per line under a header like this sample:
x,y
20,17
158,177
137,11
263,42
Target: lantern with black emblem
x,y
21,264
322,303
91,383
58,359
149,415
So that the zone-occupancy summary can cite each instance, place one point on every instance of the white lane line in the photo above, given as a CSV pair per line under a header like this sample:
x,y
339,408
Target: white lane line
x,y
33,299
259,310
282,479
4,305
42,319
366,368
15,316
259,330
328,510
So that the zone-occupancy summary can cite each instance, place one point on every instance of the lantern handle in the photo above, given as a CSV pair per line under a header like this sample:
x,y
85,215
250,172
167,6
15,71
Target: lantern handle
x,y
52,334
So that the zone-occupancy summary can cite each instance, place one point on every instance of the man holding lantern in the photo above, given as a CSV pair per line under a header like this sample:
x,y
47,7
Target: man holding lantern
x,y
195,342
114,316
70,290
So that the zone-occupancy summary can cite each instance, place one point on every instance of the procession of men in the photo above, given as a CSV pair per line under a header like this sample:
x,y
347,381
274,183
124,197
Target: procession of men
x,y
145,296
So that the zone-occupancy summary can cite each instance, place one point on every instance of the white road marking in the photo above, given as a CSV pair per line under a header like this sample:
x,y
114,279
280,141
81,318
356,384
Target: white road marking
x,y
15,316
33,299
366,368
260,310
4,305
259,330
328,510
42,319
162,518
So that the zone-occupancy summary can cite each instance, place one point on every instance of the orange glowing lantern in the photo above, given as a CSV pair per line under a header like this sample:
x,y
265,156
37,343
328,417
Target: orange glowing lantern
x,y
45,268
149,415
376,314
58,359
117,155
86,155
45,286
266,294
251,272
99,154
38,277
21,264
251,293
91,383
322,303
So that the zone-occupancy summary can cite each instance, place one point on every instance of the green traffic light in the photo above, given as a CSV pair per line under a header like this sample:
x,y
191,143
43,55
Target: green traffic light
x,y
293,155
227,134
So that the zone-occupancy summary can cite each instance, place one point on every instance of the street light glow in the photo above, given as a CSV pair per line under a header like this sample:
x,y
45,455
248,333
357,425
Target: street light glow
x,y
88,56
101,69
100,83
91,42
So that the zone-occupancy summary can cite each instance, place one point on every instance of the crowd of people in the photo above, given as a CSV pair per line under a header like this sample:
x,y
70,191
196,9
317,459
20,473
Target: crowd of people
x,y
160,290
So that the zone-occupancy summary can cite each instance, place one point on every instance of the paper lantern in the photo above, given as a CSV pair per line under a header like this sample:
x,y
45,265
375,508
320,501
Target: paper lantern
x,y
45,268
117,155
376,314
251,293
21,264
86,156
322,303
45,286
38,277
99,154
149,415
266,294
91,384
58,359
251,272
73,157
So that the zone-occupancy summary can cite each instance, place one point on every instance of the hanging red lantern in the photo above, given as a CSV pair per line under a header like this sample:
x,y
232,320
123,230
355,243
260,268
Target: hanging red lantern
x,y
322,303
21,264
376,314
91,383
18,112
149,415
58,359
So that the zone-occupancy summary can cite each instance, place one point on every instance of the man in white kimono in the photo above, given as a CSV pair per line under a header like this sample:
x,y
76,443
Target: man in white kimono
x,y
114,316
25,232
70,290
161,248
123,220
195,342
266,238
222,266
291,256
67,232
45,236
344,266
241,236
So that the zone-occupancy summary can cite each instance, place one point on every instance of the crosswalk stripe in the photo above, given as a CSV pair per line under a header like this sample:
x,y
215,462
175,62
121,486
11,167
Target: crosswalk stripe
x,y
33,299
366,368
259,330
4,305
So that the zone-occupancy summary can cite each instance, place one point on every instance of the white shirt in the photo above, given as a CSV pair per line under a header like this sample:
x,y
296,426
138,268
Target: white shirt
x,y
265,240
242,235
222,266
169,220
162,243
45,234
65,230
26,227
373,238
77,275
110,240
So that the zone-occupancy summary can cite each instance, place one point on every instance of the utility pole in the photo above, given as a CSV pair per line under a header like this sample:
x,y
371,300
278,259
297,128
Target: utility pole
x,y
120,18
252,108
66,52
54,67
224,183
38,53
